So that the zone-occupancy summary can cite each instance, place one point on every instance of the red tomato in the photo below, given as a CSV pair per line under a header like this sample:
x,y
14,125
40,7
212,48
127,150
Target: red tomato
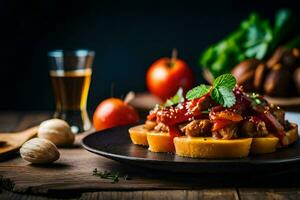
x,y
114,112
164,77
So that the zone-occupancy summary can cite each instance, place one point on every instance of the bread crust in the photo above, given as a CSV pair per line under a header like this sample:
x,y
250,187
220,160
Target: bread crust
x,y
200,147
160,142
208,147
138,135
292,134
262,145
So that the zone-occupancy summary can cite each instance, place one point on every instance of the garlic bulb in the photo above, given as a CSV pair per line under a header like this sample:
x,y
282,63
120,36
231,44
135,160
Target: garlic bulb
x,y
39,151
57,131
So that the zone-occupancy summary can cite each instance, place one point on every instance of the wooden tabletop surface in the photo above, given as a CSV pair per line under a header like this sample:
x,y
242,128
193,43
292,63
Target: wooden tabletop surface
x,y
71,177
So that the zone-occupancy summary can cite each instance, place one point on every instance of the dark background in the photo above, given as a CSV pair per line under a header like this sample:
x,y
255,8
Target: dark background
x,y
126,35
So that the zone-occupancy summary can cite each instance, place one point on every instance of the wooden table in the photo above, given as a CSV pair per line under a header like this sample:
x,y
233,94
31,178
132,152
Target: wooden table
x,y
71,177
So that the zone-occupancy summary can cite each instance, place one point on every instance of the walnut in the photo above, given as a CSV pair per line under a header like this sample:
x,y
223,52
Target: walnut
x,y
57,131
39,151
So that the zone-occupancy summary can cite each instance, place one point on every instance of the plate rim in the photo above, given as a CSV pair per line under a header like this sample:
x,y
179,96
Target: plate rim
x,y
246,160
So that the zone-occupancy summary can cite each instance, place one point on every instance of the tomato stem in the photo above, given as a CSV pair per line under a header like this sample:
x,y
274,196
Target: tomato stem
x,y
174,57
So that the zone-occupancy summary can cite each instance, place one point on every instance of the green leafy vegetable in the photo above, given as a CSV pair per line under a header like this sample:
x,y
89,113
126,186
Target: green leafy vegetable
x,y
255,38
283,25
198,92
281,19
258,36
221,91
177,98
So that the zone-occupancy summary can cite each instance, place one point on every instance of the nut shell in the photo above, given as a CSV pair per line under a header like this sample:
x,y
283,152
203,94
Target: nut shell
x,y
244,73
277,82
259,76
39,151
57,131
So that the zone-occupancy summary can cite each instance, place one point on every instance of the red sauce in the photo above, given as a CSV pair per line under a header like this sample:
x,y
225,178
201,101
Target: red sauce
x,y
186,111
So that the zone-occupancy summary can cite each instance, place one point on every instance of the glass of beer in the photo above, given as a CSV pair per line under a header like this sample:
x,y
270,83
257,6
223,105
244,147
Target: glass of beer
x,y
70,73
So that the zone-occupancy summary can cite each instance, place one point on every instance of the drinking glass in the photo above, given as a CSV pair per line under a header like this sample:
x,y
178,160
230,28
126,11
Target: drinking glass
x,y
70,73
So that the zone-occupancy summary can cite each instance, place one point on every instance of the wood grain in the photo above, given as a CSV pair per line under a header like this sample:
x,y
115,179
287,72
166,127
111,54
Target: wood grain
x,y
71,177
222,194
73,172
269,194
13,141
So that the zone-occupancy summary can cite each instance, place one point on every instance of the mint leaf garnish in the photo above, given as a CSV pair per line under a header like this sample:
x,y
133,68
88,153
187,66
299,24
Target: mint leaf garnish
x,y
221,90
225,80
216,95
197,92
226,96
177,98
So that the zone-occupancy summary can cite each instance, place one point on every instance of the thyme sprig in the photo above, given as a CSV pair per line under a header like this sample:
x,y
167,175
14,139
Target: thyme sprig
x,y
114,176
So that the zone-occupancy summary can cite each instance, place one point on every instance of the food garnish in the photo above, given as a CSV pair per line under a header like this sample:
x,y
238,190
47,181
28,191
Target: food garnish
x,y
177,98
215,121
114,176
221,91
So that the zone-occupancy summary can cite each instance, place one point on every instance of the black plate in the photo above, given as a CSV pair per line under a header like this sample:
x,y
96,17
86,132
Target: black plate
x,y
115,144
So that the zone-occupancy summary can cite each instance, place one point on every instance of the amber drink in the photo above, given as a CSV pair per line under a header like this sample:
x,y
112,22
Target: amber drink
x,y
71,80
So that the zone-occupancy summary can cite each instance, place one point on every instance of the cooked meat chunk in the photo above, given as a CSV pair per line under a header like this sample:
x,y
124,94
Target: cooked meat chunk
x,y
261,129
254,127
160,127
181,126
227,132
287,125
278,113
197,128
149,125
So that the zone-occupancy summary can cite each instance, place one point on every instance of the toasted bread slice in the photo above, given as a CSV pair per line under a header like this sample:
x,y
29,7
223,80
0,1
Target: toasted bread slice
x,y
263,145
200,147
292,134
269,144
160,142
138,135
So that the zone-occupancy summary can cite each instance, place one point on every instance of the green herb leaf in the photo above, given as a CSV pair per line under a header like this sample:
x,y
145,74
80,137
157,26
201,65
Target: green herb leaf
x,y
223,96
255,98
198,92
225,80
177,98
227,96
222,90
215,95
114,176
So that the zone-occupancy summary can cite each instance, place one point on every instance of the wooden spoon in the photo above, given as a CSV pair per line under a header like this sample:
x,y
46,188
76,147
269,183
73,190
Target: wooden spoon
x,y
11,142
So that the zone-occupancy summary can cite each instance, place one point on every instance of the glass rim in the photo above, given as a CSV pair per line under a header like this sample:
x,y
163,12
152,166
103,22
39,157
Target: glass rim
x,y
78,52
